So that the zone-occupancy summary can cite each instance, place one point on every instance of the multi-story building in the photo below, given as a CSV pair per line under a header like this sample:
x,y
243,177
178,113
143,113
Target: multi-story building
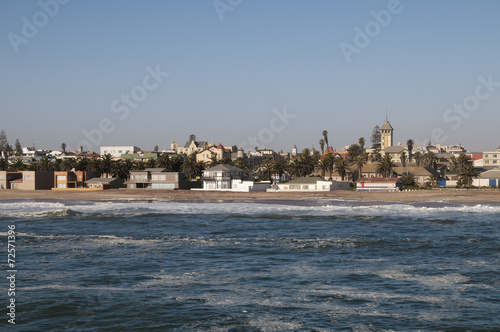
x,y
157,178
70,179
221,176
491,158
7,177
117,150
34,180
386,135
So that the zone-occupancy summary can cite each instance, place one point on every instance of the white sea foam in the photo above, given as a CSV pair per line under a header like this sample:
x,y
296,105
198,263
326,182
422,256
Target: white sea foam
x,y
34,209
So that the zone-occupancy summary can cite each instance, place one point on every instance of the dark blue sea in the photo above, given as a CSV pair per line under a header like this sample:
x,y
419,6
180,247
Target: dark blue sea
x,y
253,266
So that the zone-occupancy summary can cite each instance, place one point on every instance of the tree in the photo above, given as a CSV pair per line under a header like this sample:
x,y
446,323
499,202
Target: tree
x,y
18,165
266,169
67,164
361,143
8,151
213,161
306,162
328,159
325,136
408,179
462,161
156,148
164,162
150,163
323,166
402,156
44,164
190,166
467,174
385,166
358,162
375,137
410,144
192,137
418,158
375,156
4,164
353,151
430,160
3,140
18,148
341,167
322,145
106,164
63,147
279,167
431,182
294,168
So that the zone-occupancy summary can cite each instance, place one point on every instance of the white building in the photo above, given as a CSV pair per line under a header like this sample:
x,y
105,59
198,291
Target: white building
x,y
313,183
229,178
379,184
491,158
117,150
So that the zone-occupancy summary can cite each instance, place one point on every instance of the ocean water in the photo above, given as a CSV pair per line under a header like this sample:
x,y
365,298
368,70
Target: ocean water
x,y
253,266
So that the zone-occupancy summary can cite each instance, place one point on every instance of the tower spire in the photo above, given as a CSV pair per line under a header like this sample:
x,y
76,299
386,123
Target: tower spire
x,y
386,115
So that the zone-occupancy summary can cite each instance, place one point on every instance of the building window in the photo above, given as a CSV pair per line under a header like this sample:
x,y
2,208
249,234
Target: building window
x,y
61,185
2,177
28,178
486,161
61,177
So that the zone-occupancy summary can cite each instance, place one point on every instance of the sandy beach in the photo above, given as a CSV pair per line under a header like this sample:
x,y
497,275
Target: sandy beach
x,y
448,195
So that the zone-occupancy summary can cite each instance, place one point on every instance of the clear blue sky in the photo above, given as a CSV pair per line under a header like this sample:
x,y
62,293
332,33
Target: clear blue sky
x,y
225,77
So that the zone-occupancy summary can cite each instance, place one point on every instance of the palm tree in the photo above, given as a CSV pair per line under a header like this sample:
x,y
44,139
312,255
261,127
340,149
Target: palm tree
x,y
341,167
18,165
358,163
418,158
68,164
329,161
4,164
323,166
306,162
386,166
150,163
462,161
44,164
164,162
63,147
325,136
409,145
375,156
430,159
279,167
322,145
361,143
266,169
402,156
431,182
190,166
213,161
294,168
139,166
106,163
95,166
353,151
467,174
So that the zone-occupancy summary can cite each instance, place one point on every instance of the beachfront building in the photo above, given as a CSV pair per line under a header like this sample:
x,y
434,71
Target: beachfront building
x,y
491,158
33,180
104,183
488,178
221,177
71,179
7,177
379,184
116,151
157,178
313,183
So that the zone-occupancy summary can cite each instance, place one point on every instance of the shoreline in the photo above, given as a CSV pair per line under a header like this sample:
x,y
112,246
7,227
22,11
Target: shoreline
x,y
446,195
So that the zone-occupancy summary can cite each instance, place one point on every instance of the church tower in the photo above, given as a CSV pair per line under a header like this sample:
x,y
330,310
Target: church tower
x,y
386,135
